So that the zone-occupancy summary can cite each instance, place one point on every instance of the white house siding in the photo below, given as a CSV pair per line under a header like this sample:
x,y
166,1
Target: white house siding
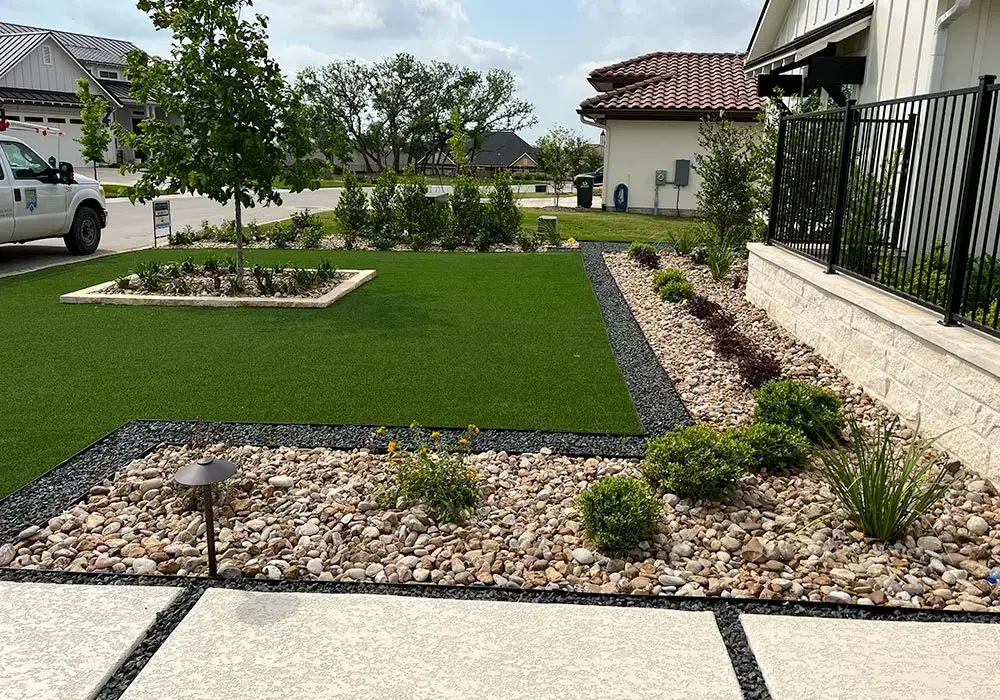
x,y
806,15
636,149
973,45
32,73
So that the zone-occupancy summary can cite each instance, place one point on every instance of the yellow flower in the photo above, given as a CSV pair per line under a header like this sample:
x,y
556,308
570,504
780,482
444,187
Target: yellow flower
x,y
412,426
473,473
571,241
473,429
463,441
381,431
392,447
435,435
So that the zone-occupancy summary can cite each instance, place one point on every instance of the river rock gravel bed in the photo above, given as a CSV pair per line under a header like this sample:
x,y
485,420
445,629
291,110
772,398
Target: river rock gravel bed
x,y
314,514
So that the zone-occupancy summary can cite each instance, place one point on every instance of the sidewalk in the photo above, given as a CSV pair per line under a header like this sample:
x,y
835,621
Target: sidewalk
x,y
65,641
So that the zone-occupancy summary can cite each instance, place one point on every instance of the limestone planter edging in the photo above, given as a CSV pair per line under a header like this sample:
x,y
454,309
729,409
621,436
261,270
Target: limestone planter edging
x,y
96,295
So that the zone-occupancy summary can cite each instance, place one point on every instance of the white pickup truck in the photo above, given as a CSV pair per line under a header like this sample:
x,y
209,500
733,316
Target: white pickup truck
x,y
39,200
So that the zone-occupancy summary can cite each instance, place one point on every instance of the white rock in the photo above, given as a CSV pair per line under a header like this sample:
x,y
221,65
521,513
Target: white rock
x,y
314,567
977,525
583,556
142,565
930,543
28,533
281,481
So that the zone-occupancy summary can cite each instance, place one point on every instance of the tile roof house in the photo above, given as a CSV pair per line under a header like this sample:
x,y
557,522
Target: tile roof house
x,y
38,73
650,107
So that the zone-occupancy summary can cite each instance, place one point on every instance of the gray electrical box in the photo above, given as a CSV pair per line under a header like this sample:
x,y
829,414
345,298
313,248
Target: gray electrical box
x,y
682,172
661,177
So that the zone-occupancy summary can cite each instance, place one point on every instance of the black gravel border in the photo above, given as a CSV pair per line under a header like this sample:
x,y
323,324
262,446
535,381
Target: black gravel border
x,y
657,402
725,610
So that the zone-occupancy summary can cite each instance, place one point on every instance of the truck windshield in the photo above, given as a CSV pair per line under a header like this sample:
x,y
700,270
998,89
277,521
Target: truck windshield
x,y
25,163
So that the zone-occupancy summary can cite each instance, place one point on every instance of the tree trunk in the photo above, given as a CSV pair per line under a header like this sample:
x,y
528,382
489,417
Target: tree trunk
x,y
239,244
95,169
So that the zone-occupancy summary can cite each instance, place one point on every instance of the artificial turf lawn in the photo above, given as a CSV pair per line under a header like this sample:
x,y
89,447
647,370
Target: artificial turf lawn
x,y
445,339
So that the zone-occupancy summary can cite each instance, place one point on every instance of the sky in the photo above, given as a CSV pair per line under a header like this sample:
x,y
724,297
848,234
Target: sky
x,y
550,45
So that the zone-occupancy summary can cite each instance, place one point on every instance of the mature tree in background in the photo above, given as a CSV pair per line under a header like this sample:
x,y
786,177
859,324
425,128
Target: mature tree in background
x,y
94,135
556,153
235,125
394,110
584,157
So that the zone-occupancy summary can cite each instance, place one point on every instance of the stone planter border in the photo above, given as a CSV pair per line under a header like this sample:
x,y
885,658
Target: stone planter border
x,y
95,295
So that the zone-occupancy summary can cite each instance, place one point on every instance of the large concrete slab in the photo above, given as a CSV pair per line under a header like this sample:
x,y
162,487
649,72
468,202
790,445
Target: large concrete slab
x,y
62,642
805,658
246,646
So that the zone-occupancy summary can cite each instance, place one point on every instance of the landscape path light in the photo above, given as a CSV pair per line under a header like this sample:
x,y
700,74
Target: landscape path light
x,y
206,472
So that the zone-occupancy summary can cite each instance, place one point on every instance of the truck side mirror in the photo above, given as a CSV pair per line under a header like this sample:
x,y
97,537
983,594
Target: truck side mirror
x,y
66,173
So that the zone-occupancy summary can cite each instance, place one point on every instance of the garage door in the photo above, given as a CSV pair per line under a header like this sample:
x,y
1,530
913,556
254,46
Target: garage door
x,y
60,147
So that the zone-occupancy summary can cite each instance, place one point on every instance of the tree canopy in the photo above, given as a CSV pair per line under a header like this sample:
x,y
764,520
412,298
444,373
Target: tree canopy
x,y
399,109
233,123
94,135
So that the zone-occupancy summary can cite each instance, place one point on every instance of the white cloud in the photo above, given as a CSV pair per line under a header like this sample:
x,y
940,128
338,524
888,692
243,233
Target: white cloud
x,y
367,19
490,54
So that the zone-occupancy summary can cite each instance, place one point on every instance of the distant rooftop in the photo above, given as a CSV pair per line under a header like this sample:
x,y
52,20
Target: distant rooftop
x,y
83,47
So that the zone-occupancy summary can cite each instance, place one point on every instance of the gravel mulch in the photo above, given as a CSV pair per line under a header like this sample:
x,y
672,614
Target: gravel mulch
x,y
220,284
336,242
314,514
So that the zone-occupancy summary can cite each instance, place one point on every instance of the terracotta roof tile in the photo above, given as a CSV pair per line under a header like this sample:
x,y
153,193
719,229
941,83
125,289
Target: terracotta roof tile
x,y
676,81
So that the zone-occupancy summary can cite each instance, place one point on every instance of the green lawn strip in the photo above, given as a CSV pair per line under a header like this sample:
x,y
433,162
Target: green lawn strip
x,y
501,340
596,225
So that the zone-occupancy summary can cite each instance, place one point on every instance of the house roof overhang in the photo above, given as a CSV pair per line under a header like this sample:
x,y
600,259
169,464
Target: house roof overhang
x,y
601,116
812,42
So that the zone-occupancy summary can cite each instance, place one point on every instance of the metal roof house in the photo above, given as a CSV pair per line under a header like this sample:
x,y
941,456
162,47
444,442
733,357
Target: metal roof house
x,y
38,73
650,107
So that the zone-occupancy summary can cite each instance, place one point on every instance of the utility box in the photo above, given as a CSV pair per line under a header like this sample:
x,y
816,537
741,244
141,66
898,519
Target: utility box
x,y
438,199
661,177
682,172
548,227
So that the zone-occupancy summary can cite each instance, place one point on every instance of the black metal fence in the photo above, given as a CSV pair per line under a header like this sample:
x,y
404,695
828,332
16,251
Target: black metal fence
x,y
900,193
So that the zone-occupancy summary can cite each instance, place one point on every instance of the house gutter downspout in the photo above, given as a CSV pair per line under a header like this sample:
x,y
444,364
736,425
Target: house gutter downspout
x,y
941,41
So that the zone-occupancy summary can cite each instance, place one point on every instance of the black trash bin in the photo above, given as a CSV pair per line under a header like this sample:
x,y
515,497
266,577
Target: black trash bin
x,y
584,190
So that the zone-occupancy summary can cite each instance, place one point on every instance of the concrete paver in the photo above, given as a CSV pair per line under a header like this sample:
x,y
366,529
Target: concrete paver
x,y
62,642
805,658
246,646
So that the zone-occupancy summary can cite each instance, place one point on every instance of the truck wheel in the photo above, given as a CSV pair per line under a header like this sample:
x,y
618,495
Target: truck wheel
x,y
85,235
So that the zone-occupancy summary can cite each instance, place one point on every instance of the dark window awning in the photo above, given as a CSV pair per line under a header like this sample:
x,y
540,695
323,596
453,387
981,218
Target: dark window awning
x,y
40,97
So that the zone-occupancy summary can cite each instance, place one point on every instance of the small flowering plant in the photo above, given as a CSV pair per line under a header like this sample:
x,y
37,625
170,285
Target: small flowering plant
x,y
431,472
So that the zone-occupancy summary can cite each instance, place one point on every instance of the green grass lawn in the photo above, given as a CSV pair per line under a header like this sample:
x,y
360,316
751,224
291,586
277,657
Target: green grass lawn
x,y
445,339
597,225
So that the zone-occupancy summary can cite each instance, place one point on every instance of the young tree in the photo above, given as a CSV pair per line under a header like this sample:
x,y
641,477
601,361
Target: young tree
x,y
555,151
235,123
94,135
726,200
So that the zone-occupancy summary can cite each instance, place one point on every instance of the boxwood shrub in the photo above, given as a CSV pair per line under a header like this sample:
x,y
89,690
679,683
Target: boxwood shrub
x,y
812,410
619,512
773,448
694,462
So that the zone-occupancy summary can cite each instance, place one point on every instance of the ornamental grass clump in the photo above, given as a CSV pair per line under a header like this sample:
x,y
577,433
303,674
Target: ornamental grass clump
x,y
883,489
618,513
694,462
813,410
644,254
432,474
773,448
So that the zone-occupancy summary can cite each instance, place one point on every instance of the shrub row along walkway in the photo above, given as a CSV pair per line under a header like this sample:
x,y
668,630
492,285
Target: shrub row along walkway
x,y
74,642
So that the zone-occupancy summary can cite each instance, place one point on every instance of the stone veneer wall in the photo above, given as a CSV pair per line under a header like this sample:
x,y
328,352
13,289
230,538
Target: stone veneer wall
x,y
949,378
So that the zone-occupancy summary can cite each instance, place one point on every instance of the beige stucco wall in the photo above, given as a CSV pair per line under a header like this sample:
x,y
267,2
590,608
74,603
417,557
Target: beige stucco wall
x,y
635,150
947,378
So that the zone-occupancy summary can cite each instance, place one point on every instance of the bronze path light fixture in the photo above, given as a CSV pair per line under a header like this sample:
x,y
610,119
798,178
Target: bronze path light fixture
x,y
206,472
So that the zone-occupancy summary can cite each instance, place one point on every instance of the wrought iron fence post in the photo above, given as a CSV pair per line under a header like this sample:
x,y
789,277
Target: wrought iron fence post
x,y
779,157
843,175
967,207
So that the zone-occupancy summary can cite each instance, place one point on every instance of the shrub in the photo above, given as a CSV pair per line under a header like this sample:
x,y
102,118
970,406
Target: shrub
x,y
618,512
702,307
720,259
418,216
813,410
383,219
503,217
882,490
466,210
699,255
280,235
674,292
352,210
773,448
694,462
124,282
324,270
188,266
150,276
527,239
644,254
684,239
433,476
307,229
263,277
664,277
252,232
210,264
185,236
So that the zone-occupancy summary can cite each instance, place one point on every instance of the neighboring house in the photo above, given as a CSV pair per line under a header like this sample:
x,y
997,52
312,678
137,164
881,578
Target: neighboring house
x,y
874,50
650,108
500,150
38,73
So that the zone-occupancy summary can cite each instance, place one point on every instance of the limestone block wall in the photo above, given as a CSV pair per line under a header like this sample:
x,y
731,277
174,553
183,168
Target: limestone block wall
x,y
949,378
